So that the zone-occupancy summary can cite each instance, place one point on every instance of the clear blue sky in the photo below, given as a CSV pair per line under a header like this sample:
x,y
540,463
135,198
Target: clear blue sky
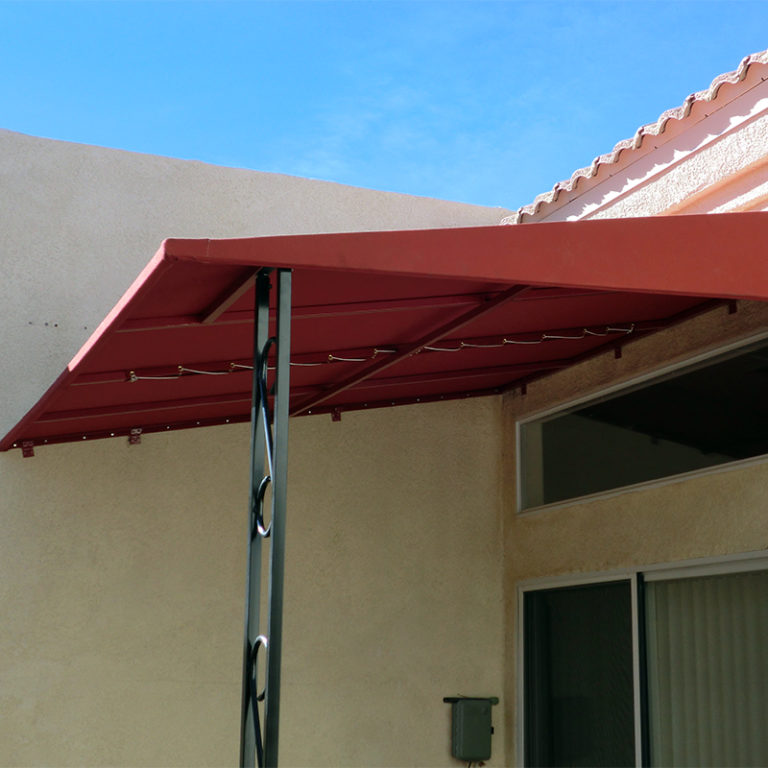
x,y
483,102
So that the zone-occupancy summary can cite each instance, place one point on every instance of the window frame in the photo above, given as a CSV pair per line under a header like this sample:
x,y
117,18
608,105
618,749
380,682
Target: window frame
x,y
742,562
637,382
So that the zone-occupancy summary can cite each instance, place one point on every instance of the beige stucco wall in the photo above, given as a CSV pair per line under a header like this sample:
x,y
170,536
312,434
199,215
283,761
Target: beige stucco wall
x,y
123,574
716,513
122,568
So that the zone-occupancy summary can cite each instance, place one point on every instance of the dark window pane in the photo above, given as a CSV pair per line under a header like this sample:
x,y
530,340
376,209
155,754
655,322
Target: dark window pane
x,y
578,676
709,415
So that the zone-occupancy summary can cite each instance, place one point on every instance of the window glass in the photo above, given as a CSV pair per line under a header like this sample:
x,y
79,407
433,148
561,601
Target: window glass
x,y
578,676
702,661
696,419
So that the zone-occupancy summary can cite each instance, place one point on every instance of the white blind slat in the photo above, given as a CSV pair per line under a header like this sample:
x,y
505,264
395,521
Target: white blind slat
x,y
708,670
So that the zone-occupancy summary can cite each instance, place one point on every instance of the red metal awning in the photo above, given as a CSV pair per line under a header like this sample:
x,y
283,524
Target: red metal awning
x,y
387,318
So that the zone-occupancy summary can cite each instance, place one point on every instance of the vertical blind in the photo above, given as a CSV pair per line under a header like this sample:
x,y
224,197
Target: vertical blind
x,y
707,645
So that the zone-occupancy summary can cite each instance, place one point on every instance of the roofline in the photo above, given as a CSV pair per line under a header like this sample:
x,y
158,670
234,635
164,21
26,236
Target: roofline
x,y
635,143
694,255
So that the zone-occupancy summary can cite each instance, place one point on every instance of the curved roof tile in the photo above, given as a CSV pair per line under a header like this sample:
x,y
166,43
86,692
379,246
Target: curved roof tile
x,y
636,141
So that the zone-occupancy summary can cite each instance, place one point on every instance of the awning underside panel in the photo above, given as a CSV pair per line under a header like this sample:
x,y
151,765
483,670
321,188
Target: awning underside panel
x,y
163,368
176,352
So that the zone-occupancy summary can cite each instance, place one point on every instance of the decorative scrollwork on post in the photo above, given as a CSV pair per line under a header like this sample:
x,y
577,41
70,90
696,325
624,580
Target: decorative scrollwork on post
x,y
260,530
269,439
255,696
257,513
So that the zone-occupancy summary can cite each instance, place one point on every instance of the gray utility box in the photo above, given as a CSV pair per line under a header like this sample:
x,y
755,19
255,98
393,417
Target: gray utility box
x,y
471,728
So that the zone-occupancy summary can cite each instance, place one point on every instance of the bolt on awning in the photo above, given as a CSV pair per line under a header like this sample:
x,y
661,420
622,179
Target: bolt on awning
x,y
390,318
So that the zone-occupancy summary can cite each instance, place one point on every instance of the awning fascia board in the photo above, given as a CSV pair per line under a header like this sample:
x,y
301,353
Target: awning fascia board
x,y
695,255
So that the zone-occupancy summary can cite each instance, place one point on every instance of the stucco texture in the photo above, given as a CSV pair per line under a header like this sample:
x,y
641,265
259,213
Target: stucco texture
x,y
123,576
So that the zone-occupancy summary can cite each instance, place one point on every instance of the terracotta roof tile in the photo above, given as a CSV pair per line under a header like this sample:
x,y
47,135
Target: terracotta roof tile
x,y
636,141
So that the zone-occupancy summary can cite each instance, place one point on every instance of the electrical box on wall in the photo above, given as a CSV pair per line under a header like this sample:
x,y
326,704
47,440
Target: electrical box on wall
x,y
471,727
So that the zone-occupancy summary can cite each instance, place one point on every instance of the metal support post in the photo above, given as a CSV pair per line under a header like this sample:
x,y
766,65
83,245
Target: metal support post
x,y
269,466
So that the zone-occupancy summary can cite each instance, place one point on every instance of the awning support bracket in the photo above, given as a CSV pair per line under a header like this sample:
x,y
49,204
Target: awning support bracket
x,y
269,464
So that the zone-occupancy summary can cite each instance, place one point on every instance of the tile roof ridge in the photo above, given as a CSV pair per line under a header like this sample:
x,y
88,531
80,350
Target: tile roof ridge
x,y
635,142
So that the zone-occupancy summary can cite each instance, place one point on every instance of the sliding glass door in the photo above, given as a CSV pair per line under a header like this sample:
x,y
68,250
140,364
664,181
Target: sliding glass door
x,y
578,676
700,646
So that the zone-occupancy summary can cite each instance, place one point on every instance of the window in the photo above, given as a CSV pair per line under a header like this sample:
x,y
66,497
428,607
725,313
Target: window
x,y
664,668
700,417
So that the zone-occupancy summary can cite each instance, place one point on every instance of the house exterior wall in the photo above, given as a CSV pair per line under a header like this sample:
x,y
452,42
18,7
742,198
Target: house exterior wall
x,y
123,578
122,568
718,513
714,160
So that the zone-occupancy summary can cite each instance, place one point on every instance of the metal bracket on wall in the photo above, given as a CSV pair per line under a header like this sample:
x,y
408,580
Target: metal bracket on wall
x,y
260,712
